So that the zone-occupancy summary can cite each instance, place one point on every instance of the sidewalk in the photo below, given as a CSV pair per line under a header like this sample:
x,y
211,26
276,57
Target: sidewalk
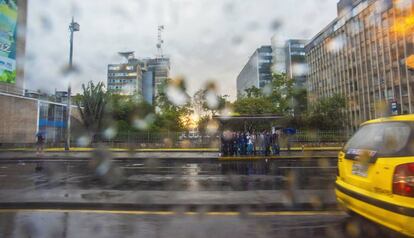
x,y
62,155
121,155
87,149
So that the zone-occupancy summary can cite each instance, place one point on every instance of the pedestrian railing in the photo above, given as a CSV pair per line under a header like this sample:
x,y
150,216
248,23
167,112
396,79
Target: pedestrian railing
x,y
176,140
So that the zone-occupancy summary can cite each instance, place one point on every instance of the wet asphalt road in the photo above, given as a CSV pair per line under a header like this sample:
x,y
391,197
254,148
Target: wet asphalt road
x,y
174,175
33,224
199,180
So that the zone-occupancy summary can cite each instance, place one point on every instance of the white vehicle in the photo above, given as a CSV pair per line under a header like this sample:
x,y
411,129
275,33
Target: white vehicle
x,y
194,134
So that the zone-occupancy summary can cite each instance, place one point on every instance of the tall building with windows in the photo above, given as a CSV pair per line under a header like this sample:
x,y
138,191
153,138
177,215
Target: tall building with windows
x,y
296,67
141,77
258,70
160,70
126,78
285,58
362,55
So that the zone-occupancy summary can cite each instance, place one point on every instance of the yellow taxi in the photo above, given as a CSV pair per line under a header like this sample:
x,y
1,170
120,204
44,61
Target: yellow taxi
x,y
376,173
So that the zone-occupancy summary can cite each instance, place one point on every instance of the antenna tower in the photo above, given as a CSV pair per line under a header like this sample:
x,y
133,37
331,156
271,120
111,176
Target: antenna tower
x,y
160,41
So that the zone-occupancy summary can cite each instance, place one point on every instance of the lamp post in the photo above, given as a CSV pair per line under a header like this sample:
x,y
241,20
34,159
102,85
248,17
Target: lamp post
x,y
73,27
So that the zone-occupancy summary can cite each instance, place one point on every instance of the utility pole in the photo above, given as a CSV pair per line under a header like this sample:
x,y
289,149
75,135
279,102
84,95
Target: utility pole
x,y
73,27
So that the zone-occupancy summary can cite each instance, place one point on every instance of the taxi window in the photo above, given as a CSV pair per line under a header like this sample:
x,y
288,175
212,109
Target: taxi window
x,y
389,138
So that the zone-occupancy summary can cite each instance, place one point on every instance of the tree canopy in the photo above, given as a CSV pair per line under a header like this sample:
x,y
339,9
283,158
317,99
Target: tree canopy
x,y
274,98
92,106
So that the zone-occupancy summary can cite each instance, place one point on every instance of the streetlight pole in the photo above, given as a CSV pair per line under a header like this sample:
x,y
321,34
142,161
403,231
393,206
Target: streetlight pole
x,y
73,27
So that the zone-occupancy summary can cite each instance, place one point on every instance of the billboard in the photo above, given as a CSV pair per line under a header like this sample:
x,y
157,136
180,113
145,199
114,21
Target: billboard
x,y
8,40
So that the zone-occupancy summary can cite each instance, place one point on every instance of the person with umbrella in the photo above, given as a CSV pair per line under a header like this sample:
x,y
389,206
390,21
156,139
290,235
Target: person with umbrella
x,y
40,141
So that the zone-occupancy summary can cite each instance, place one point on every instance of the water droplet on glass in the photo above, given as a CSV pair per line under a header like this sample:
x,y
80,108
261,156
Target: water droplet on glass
x,y
83,141
403,4
275,24
299,69
212,100
110,133
46,23
212,127
336,44
267,90
176,95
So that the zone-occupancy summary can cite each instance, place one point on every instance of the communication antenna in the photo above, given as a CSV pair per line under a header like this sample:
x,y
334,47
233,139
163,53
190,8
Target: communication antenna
x,y
160,41
127,55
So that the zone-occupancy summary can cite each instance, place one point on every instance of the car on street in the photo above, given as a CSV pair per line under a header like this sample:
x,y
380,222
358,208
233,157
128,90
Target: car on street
x,y
376,173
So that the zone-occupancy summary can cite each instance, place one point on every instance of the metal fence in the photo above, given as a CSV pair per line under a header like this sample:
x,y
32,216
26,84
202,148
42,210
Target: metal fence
x,y
162,140
319,138
184,140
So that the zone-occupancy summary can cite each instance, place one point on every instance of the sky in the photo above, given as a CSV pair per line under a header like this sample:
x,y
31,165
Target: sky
x,y
207,40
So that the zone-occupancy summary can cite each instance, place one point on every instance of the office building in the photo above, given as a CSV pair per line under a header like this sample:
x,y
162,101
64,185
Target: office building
x,y
258,70
296,67
126,78
141,77
283,58
160,68
362,55
279,55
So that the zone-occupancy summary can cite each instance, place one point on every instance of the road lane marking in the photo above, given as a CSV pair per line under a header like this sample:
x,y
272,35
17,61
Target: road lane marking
x,y
173,213
281,157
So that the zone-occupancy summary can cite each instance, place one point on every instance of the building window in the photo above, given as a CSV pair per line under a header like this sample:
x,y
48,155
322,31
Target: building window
x,y
113,67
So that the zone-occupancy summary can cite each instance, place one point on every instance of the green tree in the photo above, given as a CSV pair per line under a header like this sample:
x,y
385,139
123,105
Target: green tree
x,y
204,101
253,92
92,107
254,106
126,109
299,100
327,113
273,98
174,113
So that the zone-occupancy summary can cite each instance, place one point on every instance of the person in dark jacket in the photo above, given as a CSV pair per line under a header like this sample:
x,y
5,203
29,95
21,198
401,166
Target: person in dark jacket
x,y
267,143
223,145
40,141
275,144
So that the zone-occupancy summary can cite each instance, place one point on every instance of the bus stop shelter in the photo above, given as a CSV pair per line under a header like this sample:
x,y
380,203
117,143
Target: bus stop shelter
x,y
250,122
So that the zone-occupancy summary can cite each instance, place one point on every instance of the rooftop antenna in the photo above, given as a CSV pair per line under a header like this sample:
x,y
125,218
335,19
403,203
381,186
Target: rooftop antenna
x,y
127,55
160,41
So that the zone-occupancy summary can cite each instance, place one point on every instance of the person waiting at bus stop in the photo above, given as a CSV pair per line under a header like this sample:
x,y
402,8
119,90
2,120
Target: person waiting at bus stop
x,y
275,143
267,143
249,144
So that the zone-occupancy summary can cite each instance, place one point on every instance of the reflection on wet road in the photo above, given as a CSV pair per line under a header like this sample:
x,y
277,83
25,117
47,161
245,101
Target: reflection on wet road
x,y
261,198
153,174
52,224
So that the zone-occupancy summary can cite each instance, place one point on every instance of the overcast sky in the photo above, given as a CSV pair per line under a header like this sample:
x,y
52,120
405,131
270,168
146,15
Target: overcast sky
x,y
206,39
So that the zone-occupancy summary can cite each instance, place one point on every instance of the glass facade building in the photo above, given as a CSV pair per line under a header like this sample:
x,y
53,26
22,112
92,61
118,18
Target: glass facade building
x,y
258,70
160,68
296,67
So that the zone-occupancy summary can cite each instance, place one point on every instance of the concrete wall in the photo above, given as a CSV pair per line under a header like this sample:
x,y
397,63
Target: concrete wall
x,y
18,123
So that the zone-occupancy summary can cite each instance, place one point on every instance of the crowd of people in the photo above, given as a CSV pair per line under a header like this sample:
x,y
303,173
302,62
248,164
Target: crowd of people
x,y
250,143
